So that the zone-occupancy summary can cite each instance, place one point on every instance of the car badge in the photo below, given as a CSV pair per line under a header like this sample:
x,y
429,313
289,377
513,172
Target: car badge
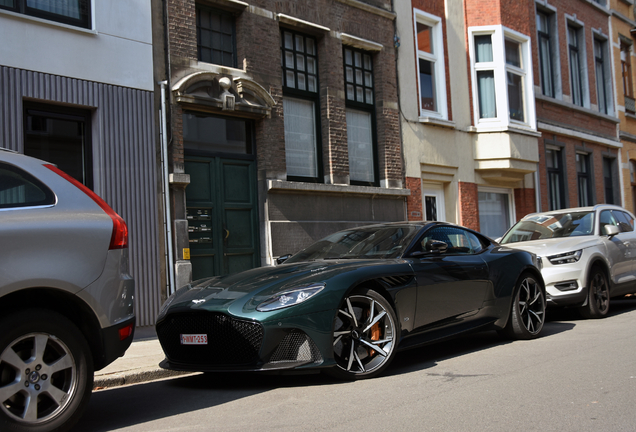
x,y
198,301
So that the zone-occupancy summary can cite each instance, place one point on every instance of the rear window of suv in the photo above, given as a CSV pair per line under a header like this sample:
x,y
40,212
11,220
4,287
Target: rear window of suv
x,y
20,189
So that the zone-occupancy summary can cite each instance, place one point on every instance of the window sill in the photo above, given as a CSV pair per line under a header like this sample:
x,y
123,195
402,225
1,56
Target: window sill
x,y
51,23
282,185
510,128
436,121
604,9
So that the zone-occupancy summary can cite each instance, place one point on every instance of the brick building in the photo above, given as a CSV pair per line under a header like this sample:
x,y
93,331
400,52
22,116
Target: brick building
x,y
283,126
623,23
524,122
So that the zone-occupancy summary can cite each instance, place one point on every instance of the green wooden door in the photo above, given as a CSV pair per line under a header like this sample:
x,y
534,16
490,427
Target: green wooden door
x,y
222,215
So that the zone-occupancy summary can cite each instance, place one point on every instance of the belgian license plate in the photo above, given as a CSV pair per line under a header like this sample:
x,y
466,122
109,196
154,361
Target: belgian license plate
x,y
194,339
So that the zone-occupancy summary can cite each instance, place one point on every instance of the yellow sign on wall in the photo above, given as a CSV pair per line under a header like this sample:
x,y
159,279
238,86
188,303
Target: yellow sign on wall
x,y
186,253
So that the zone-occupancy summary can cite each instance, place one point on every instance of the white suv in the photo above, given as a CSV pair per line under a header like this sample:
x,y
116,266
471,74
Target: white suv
x,y
588,254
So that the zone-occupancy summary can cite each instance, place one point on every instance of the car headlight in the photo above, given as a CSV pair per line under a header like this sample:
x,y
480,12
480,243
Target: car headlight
x,y
290,297
566,258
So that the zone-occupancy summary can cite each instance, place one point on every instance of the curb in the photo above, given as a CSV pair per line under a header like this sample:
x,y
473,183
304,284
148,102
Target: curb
x,y
134,377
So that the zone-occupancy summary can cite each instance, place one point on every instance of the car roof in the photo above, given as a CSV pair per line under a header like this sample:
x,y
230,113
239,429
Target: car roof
x,y
578,209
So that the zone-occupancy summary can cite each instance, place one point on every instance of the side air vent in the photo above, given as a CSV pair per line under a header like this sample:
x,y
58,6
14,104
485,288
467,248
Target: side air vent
x,y
396,281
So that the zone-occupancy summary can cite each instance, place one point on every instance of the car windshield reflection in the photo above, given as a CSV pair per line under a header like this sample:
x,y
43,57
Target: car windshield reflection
x,y
360,243
553,225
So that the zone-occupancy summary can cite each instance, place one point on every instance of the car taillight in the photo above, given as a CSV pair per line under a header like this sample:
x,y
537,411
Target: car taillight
x,y
119,238
125,332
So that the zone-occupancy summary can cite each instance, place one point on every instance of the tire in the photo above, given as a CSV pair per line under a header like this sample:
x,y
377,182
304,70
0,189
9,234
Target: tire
x,y
365,335
598,296
527,314
46,372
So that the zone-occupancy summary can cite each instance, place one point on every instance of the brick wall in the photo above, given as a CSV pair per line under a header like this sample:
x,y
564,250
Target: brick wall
x,y
414,208
469,205
524,202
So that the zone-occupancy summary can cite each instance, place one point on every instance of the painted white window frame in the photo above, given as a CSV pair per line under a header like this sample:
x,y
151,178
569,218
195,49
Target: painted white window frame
x,y
572,21
434,190
437,58
503,191
503,121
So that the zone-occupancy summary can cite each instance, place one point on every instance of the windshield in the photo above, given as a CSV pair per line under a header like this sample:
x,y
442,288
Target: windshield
x,y
366,243
554,225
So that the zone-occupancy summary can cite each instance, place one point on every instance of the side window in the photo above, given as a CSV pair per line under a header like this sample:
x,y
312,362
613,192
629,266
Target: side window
x,y
606,219
625,221
457,239
20,189
475,243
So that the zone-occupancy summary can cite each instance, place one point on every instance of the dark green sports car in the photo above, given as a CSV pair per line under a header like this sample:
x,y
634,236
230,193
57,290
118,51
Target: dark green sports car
x,y
349,302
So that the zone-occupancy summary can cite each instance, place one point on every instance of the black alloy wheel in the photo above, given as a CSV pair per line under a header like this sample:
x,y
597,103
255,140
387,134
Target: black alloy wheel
x,y
527,314
365,335
598,296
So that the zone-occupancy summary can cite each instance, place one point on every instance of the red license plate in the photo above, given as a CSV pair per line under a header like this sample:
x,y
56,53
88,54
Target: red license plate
x,y
194,339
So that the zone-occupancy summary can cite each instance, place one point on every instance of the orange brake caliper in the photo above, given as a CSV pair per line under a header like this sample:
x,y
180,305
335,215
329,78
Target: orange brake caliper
x,y
375,335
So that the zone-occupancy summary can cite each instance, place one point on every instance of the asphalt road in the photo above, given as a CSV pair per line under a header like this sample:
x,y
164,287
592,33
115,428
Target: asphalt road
x,y
579,376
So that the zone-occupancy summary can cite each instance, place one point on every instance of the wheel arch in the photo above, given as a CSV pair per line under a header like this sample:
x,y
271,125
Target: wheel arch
x,y
64,303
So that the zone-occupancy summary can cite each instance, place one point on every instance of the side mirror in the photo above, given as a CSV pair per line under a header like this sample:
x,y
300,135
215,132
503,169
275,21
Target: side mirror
x,y
435,246
611,230
282,259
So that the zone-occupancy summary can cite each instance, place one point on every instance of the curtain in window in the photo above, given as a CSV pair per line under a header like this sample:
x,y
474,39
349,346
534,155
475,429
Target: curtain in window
x,y
486,91
360,143
300,138
68,8
483,48
494,213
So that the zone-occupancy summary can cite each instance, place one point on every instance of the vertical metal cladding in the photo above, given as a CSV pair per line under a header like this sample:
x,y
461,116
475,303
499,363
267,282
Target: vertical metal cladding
x,y
123,143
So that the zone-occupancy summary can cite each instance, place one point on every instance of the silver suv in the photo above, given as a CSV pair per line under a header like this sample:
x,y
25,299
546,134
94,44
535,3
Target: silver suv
x,y
66,298
588,254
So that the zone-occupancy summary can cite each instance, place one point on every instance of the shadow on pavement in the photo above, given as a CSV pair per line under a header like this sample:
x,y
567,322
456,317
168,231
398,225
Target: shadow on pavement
x,y
137,404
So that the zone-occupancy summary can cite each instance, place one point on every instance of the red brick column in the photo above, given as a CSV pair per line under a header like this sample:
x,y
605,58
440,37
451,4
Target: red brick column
x,y
524,202
469,205
415,211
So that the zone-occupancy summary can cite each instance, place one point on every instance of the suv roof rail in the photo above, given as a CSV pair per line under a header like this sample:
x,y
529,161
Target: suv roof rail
x,y
7,150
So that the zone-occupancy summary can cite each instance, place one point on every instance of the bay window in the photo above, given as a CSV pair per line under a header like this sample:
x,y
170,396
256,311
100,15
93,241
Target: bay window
x,y
502,79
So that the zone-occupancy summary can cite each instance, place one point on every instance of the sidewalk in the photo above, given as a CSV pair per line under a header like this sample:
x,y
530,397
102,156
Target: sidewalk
x,y
139,364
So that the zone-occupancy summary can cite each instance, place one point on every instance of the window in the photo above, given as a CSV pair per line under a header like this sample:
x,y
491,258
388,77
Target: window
x,y
626,70
458,240
583,179
61,136
515,76
546,55
501,72
625,221
216,38
430,66
300,106
495,211
20,189
211,134
608,179
72,12
556,186
358,67
485,76
433,201
602,89
577,65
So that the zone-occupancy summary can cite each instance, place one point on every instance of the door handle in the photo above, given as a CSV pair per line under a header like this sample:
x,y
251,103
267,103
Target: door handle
x,y
227,233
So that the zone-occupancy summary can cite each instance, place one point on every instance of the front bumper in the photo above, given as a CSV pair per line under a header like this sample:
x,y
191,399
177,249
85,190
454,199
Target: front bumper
x,y
239,344
564,283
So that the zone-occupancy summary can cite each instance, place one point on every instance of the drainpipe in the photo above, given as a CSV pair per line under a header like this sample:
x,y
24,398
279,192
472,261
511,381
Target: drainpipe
x,y
537,190
166,191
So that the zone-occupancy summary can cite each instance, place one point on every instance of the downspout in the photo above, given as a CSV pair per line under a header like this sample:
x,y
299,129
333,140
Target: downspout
x,y
537,190
166,191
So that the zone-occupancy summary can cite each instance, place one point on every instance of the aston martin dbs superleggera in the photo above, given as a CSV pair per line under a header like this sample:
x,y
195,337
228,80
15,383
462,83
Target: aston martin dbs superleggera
x,y
349,302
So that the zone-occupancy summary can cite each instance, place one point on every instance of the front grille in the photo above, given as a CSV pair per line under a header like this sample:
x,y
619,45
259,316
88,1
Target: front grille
x,y
296,346
230,341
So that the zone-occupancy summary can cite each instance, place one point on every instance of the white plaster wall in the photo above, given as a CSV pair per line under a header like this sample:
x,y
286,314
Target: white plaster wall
x,y
117,51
